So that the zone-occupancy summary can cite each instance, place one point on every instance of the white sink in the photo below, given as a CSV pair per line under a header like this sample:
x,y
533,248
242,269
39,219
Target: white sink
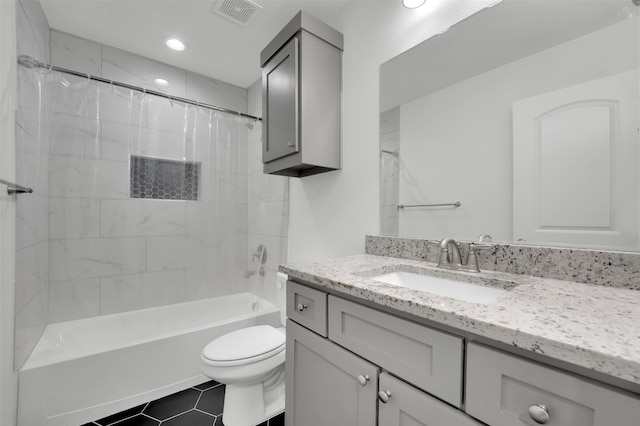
x,y
443,287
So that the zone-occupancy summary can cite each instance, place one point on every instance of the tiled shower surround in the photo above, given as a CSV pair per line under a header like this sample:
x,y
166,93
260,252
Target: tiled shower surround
x,y
110,252
32,170
85,247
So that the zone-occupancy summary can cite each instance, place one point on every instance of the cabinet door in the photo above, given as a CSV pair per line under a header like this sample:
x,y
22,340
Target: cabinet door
x,y
327,385
280,92
409,406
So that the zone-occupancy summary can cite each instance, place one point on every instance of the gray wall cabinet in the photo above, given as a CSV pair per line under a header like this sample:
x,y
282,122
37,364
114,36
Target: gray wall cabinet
x,y
301,98
350,364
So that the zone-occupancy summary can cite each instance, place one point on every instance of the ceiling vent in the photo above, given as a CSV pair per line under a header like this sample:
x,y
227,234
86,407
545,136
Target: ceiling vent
x,y
240,12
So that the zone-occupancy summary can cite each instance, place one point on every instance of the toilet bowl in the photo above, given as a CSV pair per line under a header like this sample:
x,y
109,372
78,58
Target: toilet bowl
x,y
250,362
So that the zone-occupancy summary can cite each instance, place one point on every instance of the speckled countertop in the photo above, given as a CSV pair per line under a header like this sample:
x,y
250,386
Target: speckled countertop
x,y
591,326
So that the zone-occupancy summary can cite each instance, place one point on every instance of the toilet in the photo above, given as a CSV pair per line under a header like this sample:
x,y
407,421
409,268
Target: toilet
x,y
250,362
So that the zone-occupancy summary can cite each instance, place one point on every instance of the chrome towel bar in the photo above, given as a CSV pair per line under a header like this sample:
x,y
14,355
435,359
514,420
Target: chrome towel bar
x,y
15,189
456,204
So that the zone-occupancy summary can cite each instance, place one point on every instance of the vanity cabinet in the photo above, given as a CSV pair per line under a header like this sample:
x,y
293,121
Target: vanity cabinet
x,y
332,378
351,364
301,99
505,390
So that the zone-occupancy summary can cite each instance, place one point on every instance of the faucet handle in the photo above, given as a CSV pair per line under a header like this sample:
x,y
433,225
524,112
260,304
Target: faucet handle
x,y
444,258
472,259
485,242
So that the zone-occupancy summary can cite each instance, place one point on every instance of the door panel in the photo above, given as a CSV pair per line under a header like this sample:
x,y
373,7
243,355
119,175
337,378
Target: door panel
x,y
575,164
409,406
280,91
326,382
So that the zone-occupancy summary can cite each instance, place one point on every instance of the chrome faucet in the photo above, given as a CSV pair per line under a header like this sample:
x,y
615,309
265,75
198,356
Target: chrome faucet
x,y
450,257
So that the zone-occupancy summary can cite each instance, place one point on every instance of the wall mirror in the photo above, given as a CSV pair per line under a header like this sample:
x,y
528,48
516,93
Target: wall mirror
x,y
526,114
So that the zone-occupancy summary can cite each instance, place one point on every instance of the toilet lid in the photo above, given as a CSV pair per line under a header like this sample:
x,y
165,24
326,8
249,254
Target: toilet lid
x,y
245,343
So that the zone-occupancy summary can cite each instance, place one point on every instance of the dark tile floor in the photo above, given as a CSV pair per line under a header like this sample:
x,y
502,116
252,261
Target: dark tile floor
x,y
197,406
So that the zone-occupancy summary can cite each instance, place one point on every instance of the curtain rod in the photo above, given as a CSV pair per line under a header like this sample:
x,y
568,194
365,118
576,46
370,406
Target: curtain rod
x,y
29,62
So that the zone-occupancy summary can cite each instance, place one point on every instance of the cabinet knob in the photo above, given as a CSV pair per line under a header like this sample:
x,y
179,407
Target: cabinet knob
x,y
301,307
290,144
384,396
363,379
539,413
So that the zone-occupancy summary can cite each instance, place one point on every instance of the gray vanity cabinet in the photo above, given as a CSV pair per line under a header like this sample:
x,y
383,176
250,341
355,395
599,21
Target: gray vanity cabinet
x,y
505,390
401,404
346,360
301,99
327,385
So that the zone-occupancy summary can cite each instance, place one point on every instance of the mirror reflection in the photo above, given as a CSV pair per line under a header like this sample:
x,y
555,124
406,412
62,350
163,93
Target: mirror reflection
x,y
526,114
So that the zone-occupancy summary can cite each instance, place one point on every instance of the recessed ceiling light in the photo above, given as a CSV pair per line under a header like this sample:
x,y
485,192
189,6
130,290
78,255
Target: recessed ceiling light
x,y
161,82
174,43
412,4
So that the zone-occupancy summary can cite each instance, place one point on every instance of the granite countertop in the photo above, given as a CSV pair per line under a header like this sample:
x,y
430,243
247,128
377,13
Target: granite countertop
x,y
591,326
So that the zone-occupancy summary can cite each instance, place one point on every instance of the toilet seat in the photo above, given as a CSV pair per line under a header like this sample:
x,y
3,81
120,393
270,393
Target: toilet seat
x,y
244,346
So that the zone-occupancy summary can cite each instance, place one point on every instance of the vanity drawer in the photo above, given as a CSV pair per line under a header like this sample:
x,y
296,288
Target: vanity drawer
x,y
428,359
501,388
307,307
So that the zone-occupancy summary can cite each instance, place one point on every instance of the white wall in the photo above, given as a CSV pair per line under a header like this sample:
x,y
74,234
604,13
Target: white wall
x,y
8,379
457,142
332,212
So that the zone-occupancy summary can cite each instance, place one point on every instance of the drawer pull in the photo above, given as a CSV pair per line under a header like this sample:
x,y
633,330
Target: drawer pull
x,y
539,414
363,379
301,307
384,396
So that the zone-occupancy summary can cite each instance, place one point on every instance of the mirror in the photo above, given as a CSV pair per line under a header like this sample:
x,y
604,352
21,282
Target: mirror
x,y
526,114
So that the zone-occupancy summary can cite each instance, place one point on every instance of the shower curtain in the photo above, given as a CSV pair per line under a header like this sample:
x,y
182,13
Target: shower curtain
x,y
144,198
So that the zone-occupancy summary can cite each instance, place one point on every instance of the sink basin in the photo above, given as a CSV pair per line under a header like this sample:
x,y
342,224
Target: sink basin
x,y
443,287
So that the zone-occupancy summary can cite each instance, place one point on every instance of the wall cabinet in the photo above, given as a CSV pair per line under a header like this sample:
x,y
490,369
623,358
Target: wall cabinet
x,y
301,95
363,366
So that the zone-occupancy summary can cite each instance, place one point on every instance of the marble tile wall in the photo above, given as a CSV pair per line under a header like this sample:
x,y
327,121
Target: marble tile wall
x,y
109,253
32,159
389,171
268,210
606,268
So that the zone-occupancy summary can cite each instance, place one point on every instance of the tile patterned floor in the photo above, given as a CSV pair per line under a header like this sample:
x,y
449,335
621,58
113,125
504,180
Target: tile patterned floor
x,y
197,406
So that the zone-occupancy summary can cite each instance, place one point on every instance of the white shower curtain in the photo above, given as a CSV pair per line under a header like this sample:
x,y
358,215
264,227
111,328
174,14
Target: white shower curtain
x,y
146,199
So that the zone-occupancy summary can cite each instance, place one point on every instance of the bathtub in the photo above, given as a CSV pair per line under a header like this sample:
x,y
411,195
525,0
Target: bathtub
x,y
87,369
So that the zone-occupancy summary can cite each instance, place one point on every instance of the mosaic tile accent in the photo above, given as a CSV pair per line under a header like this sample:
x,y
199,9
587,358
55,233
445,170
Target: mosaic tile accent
x,y
599,267
163,179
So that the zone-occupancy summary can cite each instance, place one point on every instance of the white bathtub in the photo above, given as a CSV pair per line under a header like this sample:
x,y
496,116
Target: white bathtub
x,y
87,369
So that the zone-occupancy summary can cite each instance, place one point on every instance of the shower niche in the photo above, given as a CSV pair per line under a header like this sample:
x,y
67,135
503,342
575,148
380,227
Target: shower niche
x,y
301,95
163,179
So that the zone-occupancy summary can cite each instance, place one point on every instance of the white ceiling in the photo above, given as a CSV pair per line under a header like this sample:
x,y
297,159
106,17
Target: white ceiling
x,y
216,47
